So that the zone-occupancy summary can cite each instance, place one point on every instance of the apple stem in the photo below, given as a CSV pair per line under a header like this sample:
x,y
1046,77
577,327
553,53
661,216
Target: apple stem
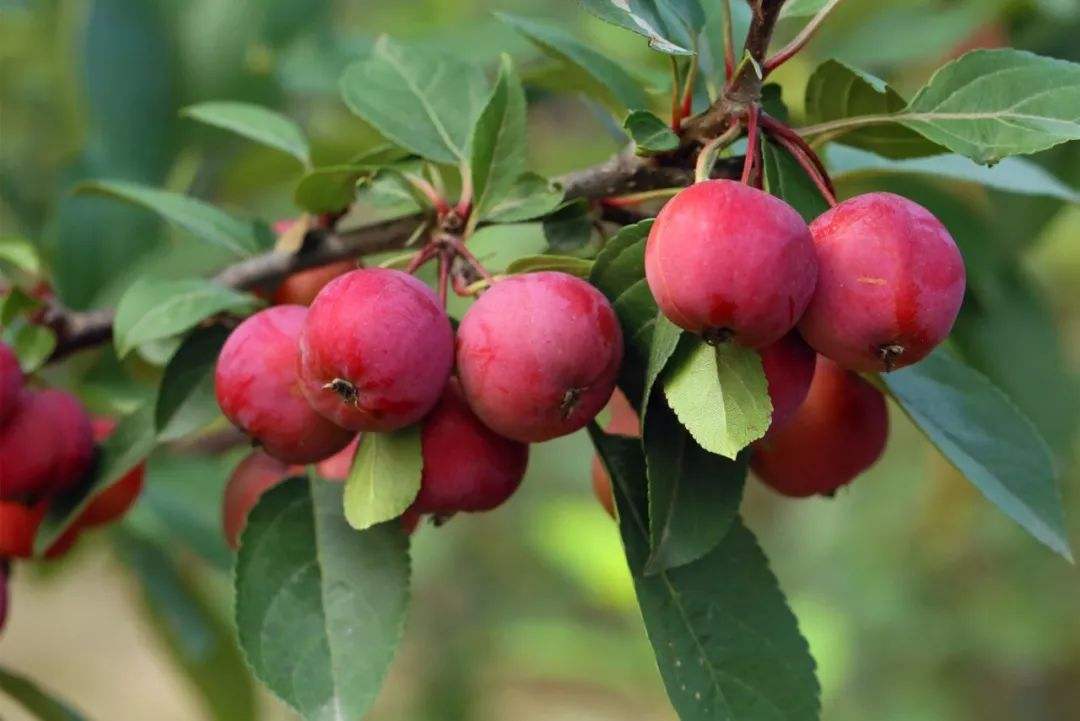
x,y
707,157
444,273
751,143
794,144
428,191
420,259
729,42
800,40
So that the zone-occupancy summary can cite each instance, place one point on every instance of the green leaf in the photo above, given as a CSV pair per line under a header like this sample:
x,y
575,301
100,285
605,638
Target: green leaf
x,y
988,439
255,123
20,253
43,705
186,400
497,246
320,608
787,180
423,101
201,643
498,142
991,103
330,188
531,196
1012,175
694,495
662,346
622,261
726,643
570,227
606,78
32,343
198,218
385,477
130,443
153,309
836,91
671,26
16,303
649,133
720,395
562,263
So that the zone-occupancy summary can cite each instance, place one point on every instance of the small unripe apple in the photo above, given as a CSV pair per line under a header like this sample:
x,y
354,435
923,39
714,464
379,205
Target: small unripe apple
x,y
252,477
789,369
537,355
728,261
837,433
11,382
890,283
259,391
467,466
376,350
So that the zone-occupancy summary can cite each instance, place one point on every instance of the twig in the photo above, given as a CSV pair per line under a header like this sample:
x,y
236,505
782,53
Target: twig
x,y
623,173
751,143
800,40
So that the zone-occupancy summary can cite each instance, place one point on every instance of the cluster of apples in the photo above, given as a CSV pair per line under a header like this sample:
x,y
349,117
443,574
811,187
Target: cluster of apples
x,y
872,285
534,358
47,451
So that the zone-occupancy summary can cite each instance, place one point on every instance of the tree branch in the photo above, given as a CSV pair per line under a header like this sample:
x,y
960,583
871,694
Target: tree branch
x,y
621,174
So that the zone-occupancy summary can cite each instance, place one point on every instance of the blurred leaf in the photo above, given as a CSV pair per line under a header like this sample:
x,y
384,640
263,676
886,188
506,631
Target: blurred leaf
x,y
720,395
181,504
152,309
787,180
35,700
1012,175
569,227
562,263
328,189
1039,382
498,142
201,643
836,91
649,133
201,219
672,26
33,344
423,101
992,103
384,478
255,123
802,8
320,608
130,443
14,304
186,400
694,495
726,643
531,196
988,439
20,253
609,80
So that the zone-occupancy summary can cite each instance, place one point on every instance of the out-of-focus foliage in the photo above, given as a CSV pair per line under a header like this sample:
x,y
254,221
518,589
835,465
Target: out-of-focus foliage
x,y
919,600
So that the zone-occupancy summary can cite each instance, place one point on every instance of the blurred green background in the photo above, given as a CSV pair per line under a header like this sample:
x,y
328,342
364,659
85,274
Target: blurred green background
x,y
920,600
